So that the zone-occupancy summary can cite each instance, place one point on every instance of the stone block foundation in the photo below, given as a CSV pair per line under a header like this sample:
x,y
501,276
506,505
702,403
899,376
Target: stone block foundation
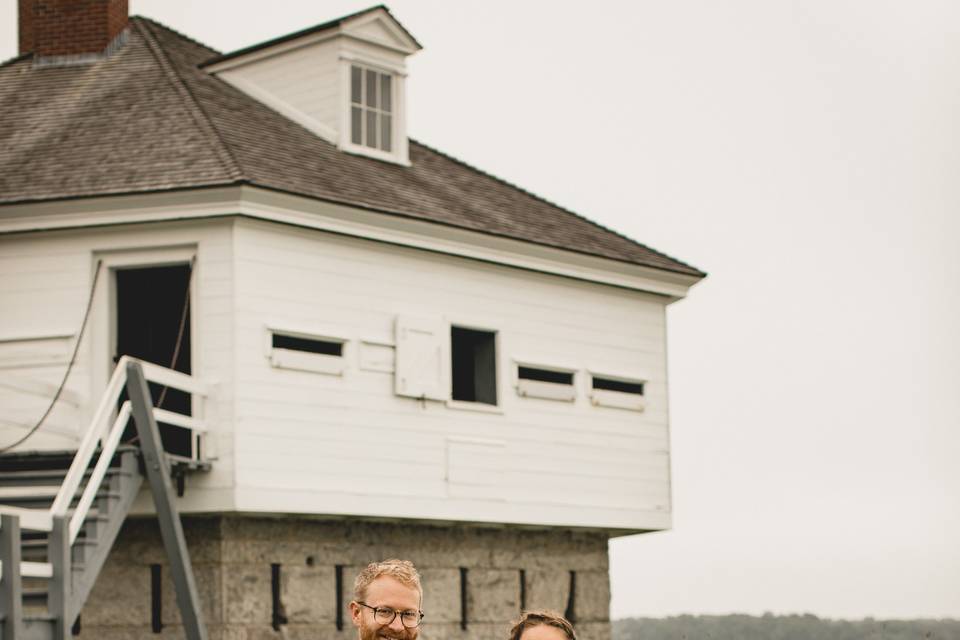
x,y
506,568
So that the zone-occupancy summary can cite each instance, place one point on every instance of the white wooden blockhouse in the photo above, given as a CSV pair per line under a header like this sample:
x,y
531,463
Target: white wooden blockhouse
x,y
380,335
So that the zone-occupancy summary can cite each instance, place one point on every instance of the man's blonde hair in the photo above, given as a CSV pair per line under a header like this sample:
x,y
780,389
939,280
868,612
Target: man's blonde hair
x,y
402,571
537,618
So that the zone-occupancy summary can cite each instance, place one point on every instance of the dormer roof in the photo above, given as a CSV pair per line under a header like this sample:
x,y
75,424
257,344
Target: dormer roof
x,y
149,119
375,25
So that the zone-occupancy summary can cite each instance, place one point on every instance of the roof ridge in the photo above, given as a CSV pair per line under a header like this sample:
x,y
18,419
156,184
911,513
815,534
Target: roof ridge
x,y
179,34
559,207
300,33
200,116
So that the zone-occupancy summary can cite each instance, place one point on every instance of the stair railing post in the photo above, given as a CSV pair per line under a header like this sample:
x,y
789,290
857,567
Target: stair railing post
x,y
11,587
58,594
171,530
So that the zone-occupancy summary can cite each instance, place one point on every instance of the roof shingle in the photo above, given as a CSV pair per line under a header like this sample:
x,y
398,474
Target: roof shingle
x,y
148,118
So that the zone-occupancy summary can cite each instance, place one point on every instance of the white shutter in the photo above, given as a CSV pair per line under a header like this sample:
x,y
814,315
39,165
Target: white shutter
x,y
422,365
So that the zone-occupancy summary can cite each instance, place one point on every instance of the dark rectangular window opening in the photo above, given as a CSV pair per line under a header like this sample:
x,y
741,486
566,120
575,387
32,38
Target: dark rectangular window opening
x,y
608,384
309,345
545,375
473,365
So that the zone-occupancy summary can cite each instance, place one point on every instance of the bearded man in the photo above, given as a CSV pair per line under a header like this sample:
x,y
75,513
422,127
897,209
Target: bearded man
x,y
387,598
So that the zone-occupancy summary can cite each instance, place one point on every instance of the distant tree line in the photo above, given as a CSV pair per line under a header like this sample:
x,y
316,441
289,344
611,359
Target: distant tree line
x,y
771,627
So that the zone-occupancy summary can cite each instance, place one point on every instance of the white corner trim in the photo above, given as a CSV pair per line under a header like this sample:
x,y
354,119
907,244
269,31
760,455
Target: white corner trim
x,y
325,131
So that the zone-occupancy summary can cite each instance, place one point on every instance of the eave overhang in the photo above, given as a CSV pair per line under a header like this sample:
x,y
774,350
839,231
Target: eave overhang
x,y
394,228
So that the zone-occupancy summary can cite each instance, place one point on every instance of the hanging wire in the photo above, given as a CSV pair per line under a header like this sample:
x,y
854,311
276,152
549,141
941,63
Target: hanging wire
x,y
179,343
73,359
180,331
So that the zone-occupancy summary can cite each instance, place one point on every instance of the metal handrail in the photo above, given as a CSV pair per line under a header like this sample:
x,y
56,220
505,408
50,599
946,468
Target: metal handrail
x,y
99,471
109,437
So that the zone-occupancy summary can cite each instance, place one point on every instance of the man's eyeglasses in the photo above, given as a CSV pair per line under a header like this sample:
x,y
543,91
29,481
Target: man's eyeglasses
x,y
385,616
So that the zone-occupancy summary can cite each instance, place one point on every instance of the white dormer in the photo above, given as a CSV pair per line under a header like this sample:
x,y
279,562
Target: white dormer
x,y
343,80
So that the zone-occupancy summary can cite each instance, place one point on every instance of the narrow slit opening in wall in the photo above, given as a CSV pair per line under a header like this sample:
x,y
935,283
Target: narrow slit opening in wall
x,y
523,590
307,345
545,375
156,599
463,598
338,585
610,384
473,359
277,614
571,611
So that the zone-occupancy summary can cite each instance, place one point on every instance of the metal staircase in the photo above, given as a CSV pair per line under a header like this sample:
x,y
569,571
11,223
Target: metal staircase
x,y
60,512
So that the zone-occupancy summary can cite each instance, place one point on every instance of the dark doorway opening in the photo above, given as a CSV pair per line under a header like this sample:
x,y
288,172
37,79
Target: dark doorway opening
x,y
153,315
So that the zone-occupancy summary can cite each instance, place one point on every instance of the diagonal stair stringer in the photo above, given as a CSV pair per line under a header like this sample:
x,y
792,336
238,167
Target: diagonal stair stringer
x,y
88,562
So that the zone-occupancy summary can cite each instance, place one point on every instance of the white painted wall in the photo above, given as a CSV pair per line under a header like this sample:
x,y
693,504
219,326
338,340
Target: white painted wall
x,y
290,440
303,84
45,281
346,444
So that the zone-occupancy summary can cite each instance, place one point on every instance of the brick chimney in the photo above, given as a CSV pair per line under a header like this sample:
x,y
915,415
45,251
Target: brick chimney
x,y
70,27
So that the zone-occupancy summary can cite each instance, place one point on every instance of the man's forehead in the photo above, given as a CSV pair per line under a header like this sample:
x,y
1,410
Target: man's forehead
x,y
386,588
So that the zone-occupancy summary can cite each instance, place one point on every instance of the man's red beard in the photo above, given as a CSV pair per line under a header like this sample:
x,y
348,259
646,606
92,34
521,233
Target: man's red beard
x,y
377,632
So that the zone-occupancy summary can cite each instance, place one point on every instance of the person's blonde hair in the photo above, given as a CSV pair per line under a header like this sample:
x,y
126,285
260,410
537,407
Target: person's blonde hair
x,y
402,571
536,618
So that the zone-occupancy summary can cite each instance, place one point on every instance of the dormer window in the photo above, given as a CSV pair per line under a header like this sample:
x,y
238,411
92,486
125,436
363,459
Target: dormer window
x,y
371,108
342,80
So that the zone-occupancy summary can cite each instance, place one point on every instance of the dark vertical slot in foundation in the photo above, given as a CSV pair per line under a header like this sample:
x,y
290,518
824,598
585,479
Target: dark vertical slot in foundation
x,y
463,598
338,575
523,590
75,629
277,616
571,612
156,599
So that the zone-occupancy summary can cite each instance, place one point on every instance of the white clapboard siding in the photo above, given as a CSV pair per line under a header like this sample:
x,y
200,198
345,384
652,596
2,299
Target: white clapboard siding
x,y
45,281
343,444
303,83
308,442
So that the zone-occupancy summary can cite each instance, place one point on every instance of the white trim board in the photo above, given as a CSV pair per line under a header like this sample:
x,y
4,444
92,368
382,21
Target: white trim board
x,y
356,221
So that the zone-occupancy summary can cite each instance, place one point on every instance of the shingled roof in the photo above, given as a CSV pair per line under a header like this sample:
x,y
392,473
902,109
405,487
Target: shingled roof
x,y
148,118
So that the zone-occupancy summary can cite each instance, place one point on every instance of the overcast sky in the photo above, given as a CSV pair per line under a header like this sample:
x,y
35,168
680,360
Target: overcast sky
x,y
806,155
